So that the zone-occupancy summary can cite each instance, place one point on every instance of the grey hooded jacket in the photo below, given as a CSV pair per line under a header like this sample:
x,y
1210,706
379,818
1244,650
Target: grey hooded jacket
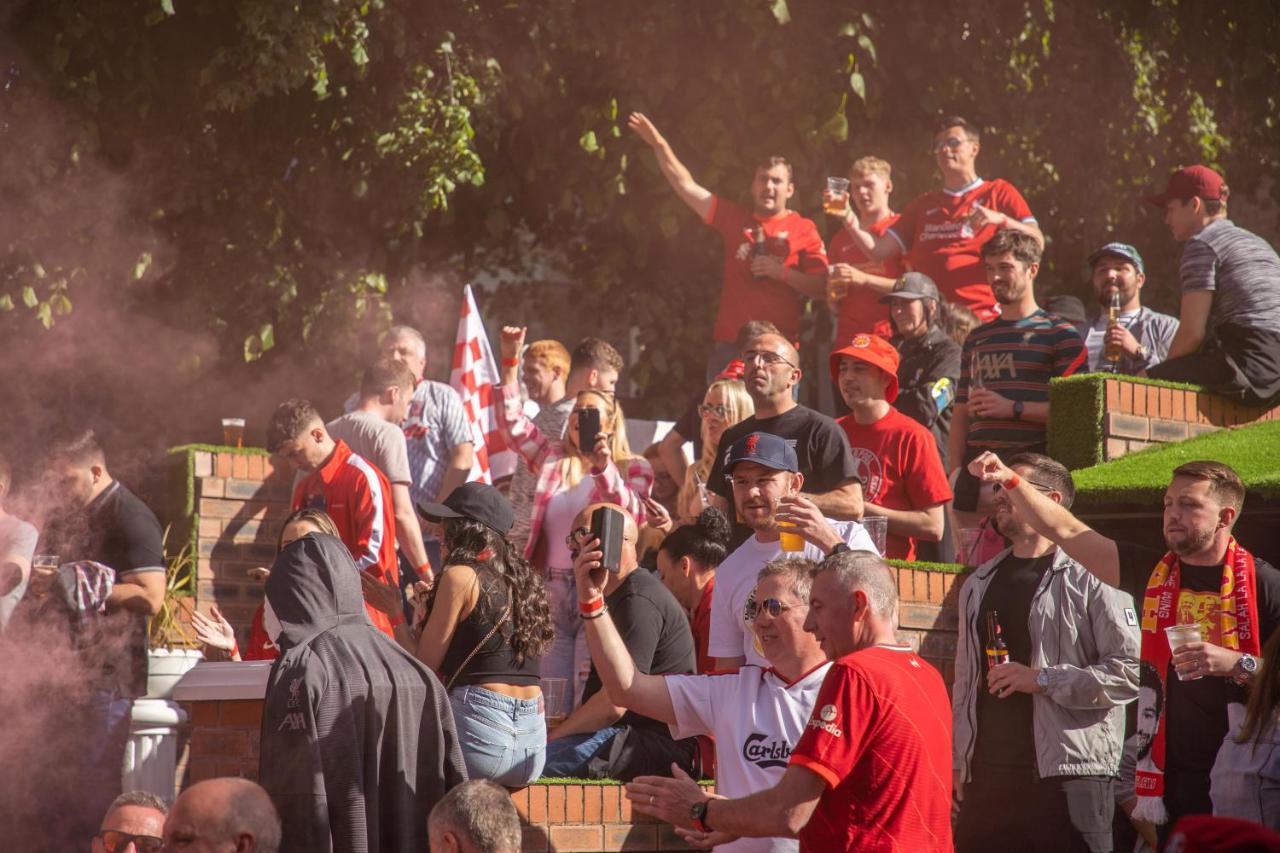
x,y
1085,635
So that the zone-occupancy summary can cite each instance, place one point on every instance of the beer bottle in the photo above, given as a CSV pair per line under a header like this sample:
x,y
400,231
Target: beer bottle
x,y
997,651
759,248
1112,352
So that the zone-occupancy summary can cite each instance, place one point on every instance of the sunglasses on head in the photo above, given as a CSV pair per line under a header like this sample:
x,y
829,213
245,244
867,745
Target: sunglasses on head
x,y
575,539
115,842
772,606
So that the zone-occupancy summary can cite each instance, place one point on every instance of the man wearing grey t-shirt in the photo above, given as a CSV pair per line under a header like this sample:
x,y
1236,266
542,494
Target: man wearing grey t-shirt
x,y
1228,336
17,546
372,431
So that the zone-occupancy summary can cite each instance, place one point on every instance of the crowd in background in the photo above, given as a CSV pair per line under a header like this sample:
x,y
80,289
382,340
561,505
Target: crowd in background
x,y
718,605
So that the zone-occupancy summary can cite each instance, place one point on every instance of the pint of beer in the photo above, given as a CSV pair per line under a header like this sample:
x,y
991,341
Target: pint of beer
x,y
233,432
836,199
1112,352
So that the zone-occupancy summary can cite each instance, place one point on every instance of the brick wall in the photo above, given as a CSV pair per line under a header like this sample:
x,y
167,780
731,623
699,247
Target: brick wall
x,y
1136,415
239,501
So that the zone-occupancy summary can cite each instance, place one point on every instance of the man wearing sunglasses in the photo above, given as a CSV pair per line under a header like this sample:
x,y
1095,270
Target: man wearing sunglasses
x,y
941,231
1038,739
134,823
756,715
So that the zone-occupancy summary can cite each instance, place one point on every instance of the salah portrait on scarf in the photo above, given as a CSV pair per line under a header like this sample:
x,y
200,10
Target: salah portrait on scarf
x,y
358,740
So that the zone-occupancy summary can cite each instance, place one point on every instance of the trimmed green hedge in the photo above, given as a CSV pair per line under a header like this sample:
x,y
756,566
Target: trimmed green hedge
x,y
1141,478
946,568
1076,406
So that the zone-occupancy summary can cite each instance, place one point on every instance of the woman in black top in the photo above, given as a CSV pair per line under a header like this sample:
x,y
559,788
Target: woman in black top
x,y
486,627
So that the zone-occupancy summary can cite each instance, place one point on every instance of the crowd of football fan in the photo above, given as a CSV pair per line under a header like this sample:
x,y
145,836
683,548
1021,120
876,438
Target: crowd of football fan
x,y
727,613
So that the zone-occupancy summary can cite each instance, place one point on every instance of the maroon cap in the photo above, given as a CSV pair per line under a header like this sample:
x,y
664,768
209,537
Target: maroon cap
x,y
1189,182
1210,834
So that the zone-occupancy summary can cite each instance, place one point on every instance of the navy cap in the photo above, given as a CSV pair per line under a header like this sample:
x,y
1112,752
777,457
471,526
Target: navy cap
x,y
1119,250
765,449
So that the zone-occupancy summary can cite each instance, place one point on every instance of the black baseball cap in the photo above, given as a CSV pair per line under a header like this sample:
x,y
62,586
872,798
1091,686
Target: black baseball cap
x,y
765,449
913,285
475,501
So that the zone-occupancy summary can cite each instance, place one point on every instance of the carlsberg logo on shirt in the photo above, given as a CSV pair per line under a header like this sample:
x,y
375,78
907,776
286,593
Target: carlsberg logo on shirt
x,y
762,752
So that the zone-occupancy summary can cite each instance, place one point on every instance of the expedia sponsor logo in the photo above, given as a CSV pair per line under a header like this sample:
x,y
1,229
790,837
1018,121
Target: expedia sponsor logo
x,y
824,720
762,752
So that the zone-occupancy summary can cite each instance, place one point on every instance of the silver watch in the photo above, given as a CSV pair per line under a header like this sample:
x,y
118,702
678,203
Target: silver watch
x,y
1247,667
1042,679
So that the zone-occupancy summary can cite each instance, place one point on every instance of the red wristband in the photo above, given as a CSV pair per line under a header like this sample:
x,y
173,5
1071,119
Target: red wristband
x,y
511,362
424,571
235,650
1011,483
587,608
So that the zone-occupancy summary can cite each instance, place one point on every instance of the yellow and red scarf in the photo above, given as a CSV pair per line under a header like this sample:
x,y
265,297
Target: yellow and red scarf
x,y
1237,628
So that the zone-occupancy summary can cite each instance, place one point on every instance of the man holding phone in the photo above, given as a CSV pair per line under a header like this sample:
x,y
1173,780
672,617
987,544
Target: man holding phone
x,y
600,739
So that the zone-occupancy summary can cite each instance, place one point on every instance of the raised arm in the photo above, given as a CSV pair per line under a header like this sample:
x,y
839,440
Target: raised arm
x,y
696,197
1053,521
626,686
523,435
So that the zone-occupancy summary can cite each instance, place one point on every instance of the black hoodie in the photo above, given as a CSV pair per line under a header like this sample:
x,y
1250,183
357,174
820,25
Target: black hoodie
x,y
358,741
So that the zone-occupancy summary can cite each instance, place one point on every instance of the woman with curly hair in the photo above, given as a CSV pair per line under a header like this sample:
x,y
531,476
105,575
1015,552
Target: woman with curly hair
x,y
483,629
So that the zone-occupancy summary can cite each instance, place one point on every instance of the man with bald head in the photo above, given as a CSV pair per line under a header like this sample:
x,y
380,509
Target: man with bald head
x,y
223,815
134,823
822,448
877,747
600,739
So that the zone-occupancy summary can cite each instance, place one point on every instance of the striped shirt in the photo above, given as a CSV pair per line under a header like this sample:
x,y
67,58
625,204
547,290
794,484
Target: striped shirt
x,y
543,454
550,421
1241,269
1016,359
435,426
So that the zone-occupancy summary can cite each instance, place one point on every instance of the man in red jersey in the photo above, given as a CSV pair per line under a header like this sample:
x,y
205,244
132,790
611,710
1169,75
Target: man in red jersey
x,y
354,493
898,462
871,771
855,283
942,231
773,257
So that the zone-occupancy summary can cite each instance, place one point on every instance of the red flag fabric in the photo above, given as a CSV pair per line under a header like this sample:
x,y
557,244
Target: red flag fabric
x,y
475,378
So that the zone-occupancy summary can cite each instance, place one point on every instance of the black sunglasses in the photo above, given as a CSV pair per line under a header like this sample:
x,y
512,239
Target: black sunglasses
x,y
114,841
772,606
996,487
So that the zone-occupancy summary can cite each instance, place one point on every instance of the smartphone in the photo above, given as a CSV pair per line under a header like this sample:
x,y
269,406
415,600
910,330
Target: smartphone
x,y
588,429
606,525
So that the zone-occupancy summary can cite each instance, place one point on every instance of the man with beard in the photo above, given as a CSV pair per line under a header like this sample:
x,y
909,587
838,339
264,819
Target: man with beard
x,y
1206,575
358,740
1141,336
1002,403
773,257
1038,735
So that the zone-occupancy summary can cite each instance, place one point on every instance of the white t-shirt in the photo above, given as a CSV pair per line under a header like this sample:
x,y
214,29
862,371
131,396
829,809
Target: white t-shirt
x,y
562,509
756,719
731,634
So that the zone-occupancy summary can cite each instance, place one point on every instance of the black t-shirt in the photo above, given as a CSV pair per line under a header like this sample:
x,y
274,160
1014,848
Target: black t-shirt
x,y
121,532
1196,713
1006,727
655,630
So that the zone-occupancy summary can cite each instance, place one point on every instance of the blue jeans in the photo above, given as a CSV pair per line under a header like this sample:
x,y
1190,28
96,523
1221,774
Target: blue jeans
x,y
502,738
568,656
569,755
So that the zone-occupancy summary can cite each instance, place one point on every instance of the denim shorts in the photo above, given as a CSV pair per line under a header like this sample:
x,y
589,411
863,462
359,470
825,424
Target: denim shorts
x,y
503,739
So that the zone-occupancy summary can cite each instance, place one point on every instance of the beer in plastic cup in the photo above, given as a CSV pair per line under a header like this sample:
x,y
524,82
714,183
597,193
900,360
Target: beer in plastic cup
x,y
789,541
553,696
836,202
233,432
836,290
877,527
43,569
1179,636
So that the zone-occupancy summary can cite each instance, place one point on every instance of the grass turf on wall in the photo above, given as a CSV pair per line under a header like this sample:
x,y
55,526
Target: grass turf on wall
x,y
1140,478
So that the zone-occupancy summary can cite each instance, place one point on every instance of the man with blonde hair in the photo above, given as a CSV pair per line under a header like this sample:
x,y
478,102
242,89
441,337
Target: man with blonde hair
x,y
855,282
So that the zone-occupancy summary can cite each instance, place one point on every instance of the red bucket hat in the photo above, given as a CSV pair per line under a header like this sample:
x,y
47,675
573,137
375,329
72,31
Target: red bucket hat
x,y
874,350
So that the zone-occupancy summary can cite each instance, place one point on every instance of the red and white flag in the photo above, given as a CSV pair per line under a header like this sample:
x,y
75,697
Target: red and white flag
x,y
475,378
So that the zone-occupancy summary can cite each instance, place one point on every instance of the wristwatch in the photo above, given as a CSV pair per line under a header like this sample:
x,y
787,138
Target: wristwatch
x,y
1143,353
1246,668
1042,679
699,815
1017,410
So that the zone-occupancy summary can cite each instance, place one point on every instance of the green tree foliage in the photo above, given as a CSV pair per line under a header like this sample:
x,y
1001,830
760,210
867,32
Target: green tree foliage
x,y
271,172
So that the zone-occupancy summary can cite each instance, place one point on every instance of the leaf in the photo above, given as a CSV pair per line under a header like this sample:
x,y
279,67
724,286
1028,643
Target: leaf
x,y
267,337
44,314
6,302
29,298
780,11
588,142
166,6
141,267
858,85
868,47
60,303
